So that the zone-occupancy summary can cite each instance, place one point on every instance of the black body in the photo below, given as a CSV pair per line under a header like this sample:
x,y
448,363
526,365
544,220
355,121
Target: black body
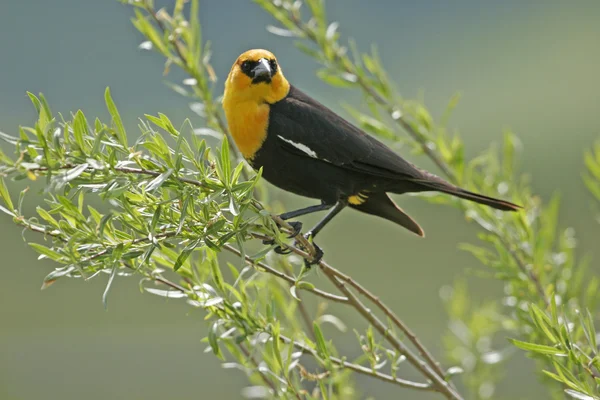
x,y
332,160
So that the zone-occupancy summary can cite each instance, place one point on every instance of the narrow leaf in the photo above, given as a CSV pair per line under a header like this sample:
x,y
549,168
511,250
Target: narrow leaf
x,y
537,348
112,109
185,253
5,195
111,278
159,180
320,342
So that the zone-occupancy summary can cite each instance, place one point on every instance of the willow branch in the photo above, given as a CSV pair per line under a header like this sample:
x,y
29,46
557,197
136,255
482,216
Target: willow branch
x,y
392,316
439,382
399,118
533,277
287,278
359,368
431,368
125,170
308,321
194,73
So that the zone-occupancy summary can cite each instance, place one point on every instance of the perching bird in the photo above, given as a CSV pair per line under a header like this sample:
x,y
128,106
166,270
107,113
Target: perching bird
x,y
307,149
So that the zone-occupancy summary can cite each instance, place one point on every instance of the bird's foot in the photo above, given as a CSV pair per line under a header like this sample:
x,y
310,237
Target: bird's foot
x,y
296,229
318,251
277,249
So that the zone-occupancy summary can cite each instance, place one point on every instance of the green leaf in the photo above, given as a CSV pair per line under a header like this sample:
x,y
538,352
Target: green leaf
x,y
184,212
305,285
543,322
148,30
185,253
276,344
212,339
43,116
111,278
158,181
55,275
46,216
9,139
578,395
73,173
333,78
553,376
80,130
225,161
233,206
7,211
155,219
112,109
215,271
320,342
293,292
103,222
5,195
45,251
537,348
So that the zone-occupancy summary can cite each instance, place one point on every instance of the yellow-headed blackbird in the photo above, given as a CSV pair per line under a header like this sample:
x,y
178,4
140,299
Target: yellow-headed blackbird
x,y
307,149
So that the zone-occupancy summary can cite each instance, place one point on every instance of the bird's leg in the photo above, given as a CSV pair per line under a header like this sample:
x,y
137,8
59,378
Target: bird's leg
x,y
306,210
296,225
310,235
339,206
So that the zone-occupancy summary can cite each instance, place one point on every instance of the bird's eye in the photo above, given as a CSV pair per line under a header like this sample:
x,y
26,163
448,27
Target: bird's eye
x,y
246,67
273,65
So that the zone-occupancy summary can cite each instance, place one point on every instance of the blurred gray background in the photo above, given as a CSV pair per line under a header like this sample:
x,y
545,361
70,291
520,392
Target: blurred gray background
x,y
526,65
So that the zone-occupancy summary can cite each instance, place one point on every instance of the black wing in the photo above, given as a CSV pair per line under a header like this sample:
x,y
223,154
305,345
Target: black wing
x,y
305,126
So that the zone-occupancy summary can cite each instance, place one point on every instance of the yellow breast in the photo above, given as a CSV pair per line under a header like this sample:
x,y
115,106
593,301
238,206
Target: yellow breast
x,y
248,124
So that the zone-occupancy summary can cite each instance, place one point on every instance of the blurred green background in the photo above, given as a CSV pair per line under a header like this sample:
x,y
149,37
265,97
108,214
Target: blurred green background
x,y
523,65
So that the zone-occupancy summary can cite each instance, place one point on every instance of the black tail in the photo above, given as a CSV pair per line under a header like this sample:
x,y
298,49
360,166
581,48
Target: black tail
x,y
381,205
481,199
477,198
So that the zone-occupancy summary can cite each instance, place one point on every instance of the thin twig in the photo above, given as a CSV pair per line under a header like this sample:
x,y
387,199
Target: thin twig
x,y
440,384
125,170
281,275
419,138
299,237
528,272
430,368
382,306
228,247
159,279
392,316
177,45
308,321
359,368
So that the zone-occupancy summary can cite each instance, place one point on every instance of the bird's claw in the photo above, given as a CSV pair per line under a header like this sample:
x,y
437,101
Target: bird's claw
x,y
317,258
296,228
277,249
281,250
318,251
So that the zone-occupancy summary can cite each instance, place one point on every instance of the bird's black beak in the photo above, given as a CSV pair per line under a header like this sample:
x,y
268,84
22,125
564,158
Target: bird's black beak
x,y
262,72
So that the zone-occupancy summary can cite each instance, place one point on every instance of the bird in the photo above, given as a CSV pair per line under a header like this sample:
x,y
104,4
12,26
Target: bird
x,y
307,149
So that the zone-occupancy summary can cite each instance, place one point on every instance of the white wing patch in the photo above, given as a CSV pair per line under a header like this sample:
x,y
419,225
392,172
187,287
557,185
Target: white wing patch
x,y
302,147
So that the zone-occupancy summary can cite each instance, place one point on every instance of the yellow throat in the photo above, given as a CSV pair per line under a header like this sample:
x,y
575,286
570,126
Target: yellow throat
x,y
246,104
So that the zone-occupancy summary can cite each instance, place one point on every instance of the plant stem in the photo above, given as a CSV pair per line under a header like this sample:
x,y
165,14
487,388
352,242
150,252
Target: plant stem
x,y
439,382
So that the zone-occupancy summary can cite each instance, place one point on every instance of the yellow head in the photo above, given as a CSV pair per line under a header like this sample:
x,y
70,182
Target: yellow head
x,y
257,78
254,82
